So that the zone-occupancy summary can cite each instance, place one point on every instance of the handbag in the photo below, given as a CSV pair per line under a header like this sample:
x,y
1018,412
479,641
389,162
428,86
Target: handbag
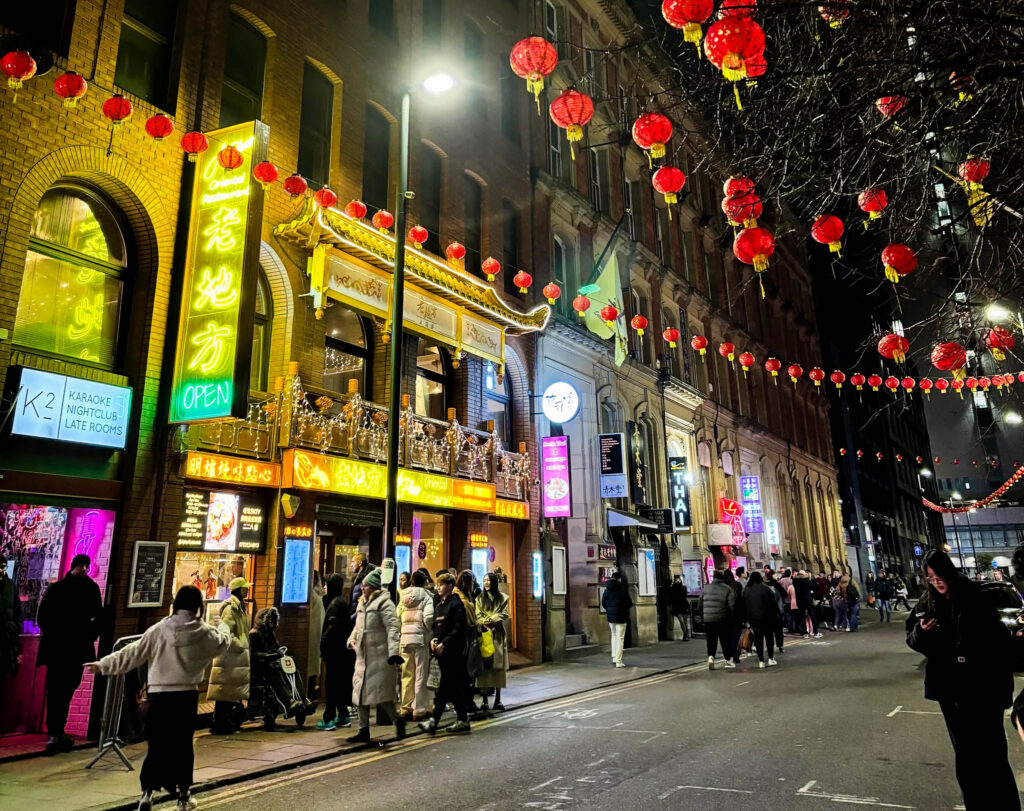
x,y
434,674
746,640
474,661
871,599
486,644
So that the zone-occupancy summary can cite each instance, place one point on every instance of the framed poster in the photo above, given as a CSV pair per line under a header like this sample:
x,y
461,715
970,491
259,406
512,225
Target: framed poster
x,y
148,573
558,573
298,570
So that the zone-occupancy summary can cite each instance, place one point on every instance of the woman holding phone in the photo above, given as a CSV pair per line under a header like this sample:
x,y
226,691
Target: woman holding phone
x,y
969,673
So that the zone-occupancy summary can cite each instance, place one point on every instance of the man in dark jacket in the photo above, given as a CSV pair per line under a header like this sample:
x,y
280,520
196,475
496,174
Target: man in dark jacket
x,y
739,614
336,655
616,603
717,606
360,567
449,646
781,600
762,608
804,588
680,606
884,590
68,618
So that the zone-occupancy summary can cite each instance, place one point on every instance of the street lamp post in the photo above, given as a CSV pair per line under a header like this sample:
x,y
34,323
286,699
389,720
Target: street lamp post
x,y
438,83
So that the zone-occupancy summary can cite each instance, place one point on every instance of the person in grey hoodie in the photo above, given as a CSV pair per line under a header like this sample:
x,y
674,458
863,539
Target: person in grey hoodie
x,y
718,605
177,651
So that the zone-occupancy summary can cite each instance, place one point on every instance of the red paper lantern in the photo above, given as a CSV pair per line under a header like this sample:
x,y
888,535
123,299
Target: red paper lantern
x,y
908,383
834,12
552,292
229,158
838,378
899,260
949,356
858,380
699,344
971,383
888,106
795,372
860,454
639,323
737,8
942,385
325,198
687,15
609,314
295,185
418,235
668,181
999,341
926,386
874,381
71,87
491,267
873,202
19,67
117,109
736,185
455,252
1020,377
893,347
159,126
757,65
984,383
974,170
828,230
892,383
742,209
753,246
671,335
265,173
842,451
383,220
730,42
773,365
572,111
957,385
356,209
581,304
532,59
746,360
726,350
651,132
194,144
817,375
523,280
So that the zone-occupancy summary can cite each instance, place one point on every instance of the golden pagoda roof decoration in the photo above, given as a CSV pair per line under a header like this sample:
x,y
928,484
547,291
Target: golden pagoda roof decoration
x,y
315,226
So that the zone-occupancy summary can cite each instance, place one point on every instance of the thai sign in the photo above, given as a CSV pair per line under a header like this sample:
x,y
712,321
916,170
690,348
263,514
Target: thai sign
x,y
211,366
678,476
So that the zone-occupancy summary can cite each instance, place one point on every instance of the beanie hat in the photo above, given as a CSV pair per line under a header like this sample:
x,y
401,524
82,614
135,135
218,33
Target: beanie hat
x,y
238,583
372,579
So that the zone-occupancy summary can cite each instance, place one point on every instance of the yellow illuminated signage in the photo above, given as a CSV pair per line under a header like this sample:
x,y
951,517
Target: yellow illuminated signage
x,y
299,531
211,367
216,468
512,509
332,474
478,540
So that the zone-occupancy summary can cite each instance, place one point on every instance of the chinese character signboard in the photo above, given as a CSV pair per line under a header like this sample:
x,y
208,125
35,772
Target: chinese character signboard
x,y
639,475
679,492
773,536
217,468
211,367
556,490
750,488
612,453
222,522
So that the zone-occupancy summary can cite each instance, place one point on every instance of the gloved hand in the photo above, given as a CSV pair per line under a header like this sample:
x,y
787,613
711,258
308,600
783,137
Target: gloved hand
x,y
396,660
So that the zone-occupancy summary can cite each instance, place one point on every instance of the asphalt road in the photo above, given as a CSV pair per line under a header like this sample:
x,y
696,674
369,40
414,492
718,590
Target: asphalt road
x,y
841,721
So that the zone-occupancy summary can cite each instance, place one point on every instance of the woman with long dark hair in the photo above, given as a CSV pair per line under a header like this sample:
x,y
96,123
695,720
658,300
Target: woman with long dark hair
x,y
970,674
492,613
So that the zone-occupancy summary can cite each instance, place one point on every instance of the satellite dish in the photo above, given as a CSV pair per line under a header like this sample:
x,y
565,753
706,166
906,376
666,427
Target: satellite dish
x,y
16,42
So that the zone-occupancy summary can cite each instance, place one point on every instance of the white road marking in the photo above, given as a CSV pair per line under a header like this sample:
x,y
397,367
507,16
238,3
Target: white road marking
x,y
898,708
669,793
548,783
920,712
653,737
807,787
742,683
848,799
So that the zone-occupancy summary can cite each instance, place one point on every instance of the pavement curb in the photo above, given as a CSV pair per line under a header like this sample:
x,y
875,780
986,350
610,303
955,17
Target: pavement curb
x,y
220,782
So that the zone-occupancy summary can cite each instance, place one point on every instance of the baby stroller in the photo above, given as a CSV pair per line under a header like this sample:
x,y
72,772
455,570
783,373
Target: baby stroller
x,y
276,681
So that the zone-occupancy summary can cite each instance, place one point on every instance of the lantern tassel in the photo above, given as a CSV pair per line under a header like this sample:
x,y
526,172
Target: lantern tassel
x,y
760,284
692,33
650,161
836,247
998,354
736,93
891,274
657,150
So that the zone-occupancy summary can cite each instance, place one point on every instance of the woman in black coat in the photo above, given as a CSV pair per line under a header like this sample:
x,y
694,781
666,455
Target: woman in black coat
x,y
336,655
762,609
969,672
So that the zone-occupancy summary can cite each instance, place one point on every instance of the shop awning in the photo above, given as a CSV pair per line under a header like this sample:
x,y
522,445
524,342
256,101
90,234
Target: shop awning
x,y
622,518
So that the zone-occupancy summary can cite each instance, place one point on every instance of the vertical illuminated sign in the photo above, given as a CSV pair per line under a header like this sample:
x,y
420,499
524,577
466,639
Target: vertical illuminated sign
x,y
750,490
211,366
680,487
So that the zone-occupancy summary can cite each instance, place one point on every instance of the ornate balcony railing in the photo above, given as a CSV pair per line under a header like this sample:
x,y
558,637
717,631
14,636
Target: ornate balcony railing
x,y
255,436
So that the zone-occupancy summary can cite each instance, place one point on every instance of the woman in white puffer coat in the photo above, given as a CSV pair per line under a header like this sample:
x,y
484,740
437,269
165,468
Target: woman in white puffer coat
x,y
416,611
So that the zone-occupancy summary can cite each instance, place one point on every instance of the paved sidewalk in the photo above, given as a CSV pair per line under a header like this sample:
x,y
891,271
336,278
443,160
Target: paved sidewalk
x,y
64,781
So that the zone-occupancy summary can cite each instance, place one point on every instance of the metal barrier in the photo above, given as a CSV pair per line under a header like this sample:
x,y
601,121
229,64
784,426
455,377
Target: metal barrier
x,y
113,710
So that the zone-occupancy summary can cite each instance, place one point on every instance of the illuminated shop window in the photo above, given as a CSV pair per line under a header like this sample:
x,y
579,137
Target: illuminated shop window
x,y
346,356
498,402
71,292
432,381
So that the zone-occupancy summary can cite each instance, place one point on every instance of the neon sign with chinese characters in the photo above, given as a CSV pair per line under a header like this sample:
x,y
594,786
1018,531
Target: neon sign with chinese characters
x,y
216,468
512,509
333,474
211,367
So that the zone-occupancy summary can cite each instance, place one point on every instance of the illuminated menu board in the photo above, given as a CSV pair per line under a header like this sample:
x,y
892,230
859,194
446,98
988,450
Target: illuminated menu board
x,y
222,522
211,366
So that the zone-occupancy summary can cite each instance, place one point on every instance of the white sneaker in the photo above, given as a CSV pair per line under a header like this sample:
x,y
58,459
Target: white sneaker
x,y
188,804
146,801
760,665
817,636
711,663
619,664
807,636
730,665
847,630
772,663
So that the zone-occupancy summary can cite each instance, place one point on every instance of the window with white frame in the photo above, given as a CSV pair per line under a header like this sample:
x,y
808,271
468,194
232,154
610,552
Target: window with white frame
x,y
554,150
594,157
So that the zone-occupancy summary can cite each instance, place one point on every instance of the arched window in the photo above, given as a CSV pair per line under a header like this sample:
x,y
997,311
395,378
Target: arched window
x,y
71,293
498,403
347,354
259,364
432,379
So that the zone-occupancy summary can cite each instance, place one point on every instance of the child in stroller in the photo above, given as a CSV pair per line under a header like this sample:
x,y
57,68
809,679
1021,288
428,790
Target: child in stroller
x,y
276,681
